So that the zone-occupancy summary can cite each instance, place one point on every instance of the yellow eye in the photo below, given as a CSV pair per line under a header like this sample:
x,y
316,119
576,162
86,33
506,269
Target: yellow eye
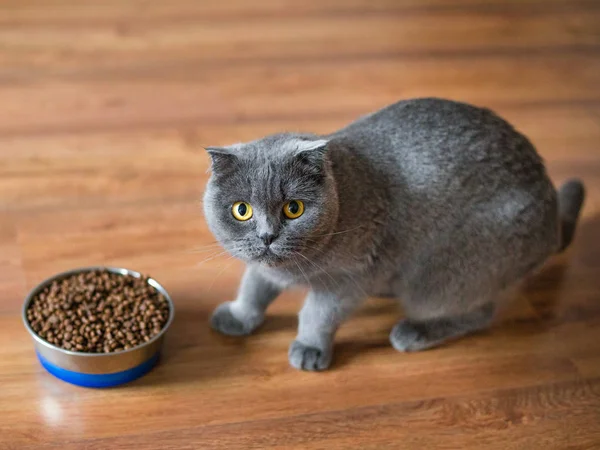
x,y
242,211
293,209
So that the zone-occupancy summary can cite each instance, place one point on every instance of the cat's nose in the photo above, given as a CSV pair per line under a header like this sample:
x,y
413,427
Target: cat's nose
x,y
267,238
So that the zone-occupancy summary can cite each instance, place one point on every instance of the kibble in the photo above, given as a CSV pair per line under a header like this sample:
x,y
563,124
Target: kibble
x,y
98,312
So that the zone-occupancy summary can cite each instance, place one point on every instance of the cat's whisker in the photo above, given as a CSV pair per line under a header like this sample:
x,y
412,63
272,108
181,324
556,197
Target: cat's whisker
x,y
338,251
349,274
338,232
319,268
225,267
352,278
211,257
209,246
301,271
205,250
210,243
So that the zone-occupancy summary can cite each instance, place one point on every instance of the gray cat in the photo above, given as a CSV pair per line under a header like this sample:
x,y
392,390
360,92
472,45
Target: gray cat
x,y
438,204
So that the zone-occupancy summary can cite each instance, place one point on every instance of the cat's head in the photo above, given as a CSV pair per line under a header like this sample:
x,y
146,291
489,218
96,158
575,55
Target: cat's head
x,y
271,201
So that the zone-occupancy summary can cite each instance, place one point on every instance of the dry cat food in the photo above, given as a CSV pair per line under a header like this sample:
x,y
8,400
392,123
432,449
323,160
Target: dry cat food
x,y
98,312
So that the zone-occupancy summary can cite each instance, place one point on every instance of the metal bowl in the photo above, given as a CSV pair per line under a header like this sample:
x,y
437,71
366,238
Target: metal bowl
x,y
98,369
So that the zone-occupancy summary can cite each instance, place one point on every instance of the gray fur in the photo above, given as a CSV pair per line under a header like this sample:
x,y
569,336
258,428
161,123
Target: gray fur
x,y
439,204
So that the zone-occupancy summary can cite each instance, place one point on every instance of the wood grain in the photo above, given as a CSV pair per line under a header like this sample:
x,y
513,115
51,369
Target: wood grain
x,y
104,109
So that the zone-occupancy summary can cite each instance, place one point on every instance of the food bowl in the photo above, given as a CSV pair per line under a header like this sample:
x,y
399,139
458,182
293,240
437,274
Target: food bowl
x,y
98,369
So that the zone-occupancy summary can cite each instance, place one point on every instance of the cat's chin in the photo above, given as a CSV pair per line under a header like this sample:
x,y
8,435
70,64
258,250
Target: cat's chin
x,y
271,259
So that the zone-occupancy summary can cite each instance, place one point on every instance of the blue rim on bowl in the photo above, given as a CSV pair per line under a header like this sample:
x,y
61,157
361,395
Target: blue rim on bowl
x,y
98,369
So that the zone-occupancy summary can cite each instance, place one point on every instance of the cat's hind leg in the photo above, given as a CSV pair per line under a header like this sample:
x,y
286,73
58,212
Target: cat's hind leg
x,y
450,291
453,285
414,335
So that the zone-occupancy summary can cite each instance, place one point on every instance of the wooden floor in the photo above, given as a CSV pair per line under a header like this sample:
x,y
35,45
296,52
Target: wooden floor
x,y
104,109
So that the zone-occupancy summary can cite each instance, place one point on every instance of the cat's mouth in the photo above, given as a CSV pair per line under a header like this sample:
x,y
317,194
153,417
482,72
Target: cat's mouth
x,y
269,258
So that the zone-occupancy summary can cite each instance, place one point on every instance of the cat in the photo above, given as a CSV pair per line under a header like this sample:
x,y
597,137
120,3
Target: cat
x,y
439,204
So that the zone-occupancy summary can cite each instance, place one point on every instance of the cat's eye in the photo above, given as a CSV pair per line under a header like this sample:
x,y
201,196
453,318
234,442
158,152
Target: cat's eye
x,y
293,209
242,211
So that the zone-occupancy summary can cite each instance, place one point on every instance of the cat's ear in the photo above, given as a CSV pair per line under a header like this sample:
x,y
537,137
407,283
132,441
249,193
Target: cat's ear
x,y
223,159
311,151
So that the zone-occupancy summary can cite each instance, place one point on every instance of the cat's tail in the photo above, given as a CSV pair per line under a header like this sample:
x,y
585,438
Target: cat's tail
x,y
570,200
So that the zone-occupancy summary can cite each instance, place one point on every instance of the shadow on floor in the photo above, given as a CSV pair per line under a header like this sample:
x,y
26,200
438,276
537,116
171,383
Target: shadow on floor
x,y
555,292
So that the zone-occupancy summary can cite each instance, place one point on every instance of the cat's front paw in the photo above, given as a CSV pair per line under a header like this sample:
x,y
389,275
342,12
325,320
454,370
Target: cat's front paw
x,y
225,322
304,357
